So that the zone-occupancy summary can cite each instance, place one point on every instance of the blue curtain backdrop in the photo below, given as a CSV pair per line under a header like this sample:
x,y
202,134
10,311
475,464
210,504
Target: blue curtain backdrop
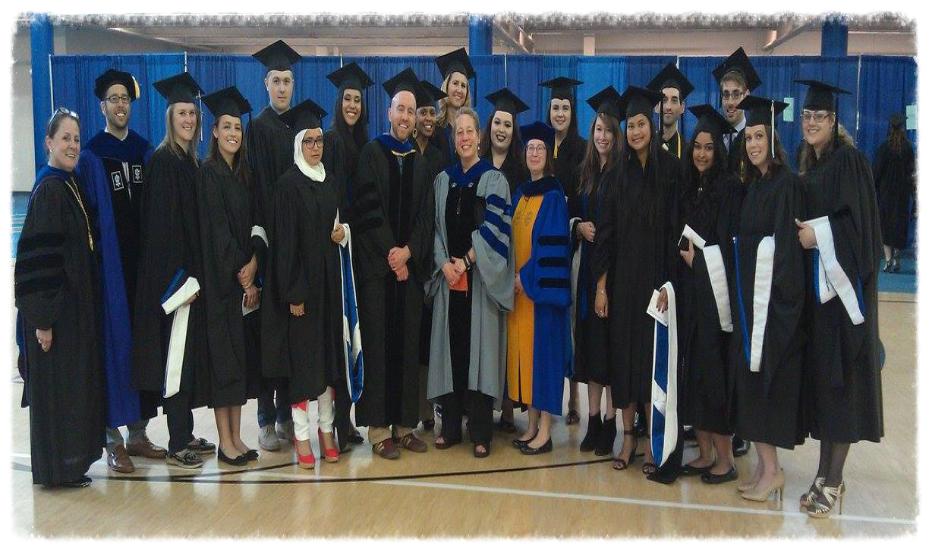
x,y
880,85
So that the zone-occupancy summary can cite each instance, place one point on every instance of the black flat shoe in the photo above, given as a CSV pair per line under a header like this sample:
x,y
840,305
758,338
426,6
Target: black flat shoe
x,y
710,478
251,455
688,470
356,438
545,448
81,482
241,460
520,443
663,475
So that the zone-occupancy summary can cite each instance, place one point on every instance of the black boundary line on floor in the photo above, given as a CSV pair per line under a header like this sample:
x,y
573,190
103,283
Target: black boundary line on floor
x,y
215,477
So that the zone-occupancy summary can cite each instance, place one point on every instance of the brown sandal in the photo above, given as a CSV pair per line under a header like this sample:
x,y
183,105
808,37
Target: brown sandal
x,y
413,443
386,449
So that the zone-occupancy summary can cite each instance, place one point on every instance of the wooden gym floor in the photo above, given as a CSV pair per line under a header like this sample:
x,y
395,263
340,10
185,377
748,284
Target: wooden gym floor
x,y
449,493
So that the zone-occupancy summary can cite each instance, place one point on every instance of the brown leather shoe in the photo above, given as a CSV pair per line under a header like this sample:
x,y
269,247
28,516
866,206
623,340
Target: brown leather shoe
x,y
146,449
118,460
413,443
386,449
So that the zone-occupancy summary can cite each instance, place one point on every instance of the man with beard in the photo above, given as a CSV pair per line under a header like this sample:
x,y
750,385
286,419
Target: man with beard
x,y
112,165
674,87
737,79
393,235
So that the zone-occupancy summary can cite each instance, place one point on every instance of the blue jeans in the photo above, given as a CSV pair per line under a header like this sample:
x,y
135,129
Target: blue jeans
x,y
271,409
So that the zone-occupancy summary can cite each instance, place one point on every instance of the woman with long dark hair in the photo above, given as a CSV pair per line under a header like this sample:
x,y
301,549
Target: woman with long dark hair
x,y
711,199
567,157
599,176
842,237
538,328
58,299
894,177
344,139
232,248
636,248
768,294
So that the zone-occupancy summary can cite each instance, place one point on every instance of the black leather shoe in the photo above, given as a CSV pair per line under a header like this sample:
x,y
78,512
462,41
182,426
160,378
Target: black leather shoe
x,y
592,437
689,470
241,460
664,475
251,455
740,446
710,478
520,443
545,448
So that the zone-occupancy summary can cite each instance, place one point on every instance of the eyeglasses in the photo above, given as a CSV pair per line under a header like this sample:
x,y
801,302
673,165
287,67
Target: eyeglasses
x,y
734,95
118,99
65,112
818,117
313,143
532,149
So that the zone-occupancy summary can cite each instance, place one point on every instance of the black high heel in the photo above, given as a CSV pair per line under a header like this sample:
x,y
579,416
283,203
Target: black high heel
x,y
594,430
607,438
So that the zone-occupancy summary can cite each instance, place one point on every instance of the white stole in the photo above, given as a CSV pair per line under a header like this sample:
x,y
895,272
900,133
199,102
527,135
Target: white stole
x,y
178,303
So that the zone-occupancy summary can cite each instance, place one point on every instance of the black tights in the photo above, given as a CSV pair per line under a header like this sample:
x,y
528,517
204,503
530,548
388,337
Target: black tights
x,y
832,457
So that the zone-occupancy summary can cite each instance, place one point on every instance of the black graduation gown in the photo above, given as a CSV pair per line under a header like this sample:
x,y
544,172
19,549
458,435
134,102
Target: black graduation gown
x,y
514,170
170,241
307,271
226,220
767,403
895,182
389,211
433,159
568,164
443,140
712,211
56,287
340,158
736,148
637,252
842,365
591,333
674,146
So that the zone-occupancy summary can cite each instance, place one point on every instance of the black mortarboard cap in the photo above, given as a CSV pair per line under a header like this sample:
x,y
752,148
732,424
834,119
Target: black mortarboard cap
x,y
710,120
738,61
538,130
636,100
178,88
277,56
306,115
350,76
820,96
428,94
897,120
227,102
607,101
562,87
504,100
456,60
111,77
761,110
670,76
406,80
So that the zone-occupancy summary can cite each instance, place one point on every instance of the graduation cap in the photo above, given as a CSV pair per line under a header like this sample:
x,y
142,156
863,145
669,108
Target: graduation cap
x,y
456,60
428,94
762,111
306,115
350,76
562,87
636,100
277,56
711,121
112,77
672,77
406,80
821,96
178,88
227,102
538,130
504,100
738,61
607,101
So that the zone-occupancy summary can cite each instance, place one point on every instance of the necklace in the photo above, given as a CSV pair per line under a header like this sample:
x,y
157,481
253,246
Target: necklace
x,y
73,187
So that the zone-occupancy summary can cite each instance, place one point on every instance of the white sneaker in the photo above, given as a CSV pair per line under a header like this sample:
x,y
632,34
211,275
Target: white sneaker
x,y
267,439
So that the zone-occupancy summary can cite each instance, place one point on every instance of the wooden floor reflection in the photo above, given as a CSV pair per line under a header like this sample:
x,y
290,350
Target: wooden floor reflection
x,y
449,493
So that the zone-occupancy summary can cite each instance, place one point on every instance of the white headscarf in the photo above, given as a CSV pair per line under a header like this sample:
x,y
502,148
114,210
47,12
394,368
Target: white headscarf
x,y
317,172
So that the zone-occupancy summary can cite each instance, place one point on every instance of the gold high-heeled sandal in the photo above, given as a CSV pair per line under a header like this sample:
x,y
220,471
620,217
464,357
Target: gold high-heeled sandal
x,y
821,505
814,490
777,486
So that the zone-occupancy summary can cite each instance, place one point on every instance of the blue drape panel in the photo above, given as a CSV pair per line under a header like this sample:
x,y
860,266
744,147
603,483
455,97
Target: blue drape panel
x,y
886,84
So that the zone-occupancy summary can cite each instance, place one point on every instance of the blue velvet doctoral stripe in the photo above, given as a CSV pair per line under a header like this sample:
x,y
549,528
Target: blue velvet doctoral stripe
x,y
496,244
394,145
491,217
459,178
497,201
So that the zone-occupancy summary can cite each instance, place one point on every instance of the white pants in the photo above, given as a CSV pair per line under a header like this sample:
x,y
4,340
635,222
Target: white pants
x,y
301,415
